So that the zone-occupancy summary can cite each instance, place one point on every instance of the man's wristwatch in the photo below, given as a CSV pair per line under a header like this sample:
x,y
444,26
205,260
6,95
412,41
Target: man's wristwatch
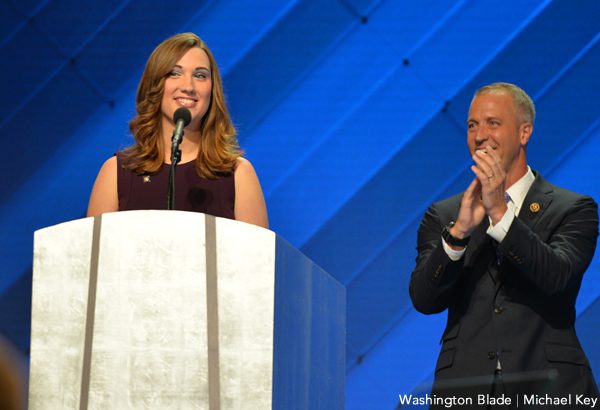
x,y
453,240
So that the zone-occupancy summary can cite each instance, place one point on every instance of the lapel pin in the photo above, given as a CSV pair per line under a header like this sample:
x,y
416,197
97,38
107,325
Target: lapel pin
x,y
146,178
534,207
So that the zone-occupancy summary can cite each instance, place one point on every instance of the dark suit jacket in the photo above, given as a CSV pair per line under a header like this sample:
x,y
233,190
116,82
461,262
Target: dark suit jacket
x,y
513,301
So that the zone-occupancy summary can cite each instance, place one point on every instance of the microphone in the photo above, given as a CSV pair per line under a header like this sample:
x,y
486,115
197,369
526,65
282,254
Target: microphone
x,y
181,118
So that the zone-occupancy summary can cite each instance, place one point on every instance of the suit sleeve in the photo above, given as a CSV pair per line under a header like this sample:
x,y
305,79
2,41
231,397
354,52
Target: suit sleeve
x,y
557,264
434,281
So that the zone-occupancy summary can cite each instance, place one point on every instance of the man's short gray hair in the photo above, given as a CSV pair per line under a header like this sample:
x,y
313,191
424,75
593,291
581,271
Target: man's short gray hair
x,y
522,101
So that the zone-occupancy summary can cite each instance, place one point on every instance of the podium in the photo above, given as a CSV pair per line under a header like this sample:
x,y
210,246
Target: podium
x,y
181,310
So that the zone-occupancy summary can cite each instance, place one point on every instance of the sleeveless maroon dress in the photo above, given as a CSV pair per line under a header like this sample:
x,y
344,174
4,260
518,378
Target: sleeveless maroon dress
x,y
192,192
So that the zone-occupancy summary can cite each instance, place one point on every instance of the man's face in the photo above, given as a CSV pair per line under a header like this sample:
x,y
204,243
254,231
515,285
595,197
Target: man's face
x,y
494,121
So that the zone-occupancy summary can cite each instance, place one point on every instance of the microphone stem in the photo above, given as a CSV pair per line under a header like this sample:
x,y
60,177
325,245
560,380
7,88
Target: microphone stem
x,y
175,158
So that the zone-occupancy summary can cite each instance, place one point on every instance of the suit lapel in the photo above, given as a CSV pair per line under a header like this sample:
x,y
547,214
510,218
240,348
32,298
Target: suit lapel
x,y
537,201
478,240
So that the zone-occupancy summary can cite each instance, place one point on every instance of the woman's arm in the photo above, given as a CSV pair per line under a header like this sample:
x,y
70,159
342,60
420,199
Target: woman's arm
x,y
249,201
104,197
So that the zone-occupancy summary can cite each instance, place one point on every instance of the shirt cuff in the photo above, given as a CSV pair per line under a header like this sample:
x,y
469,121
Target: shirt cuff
x,y
452,254
499,231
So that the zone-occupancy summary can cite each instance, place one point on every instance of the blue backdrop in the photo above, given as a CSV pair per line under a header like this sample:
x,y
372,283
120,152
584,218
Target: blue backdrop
x,y
352,111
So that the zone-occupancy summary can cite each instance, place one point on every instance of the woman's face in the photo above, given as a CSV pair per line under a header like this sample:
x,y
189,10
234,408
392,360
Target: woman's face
x,y
189,84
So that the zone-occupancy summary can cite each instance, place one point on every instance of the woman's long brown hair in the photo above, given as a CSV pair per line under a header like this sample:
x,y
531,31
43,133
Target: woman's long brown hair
x,y
219,148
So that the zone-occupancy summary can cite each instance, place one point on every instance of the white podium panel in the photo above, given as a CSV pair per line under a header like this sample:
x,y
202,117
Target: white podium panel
x,y
164,310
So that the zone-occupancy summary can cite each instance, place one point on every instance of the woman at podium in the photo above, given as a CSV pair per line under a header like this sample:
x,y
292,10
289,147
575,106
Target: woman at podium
x,y
212,176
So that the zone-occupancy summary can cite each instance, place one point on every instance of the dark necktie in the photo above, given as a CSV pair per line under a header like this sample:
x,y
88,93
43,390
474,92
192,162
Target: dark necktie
x,y
499,255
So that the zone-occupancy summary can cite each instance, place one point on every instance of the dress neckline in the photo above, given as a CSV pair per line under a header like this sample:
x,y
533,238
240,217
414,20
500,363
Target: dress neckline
x,y
166,164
